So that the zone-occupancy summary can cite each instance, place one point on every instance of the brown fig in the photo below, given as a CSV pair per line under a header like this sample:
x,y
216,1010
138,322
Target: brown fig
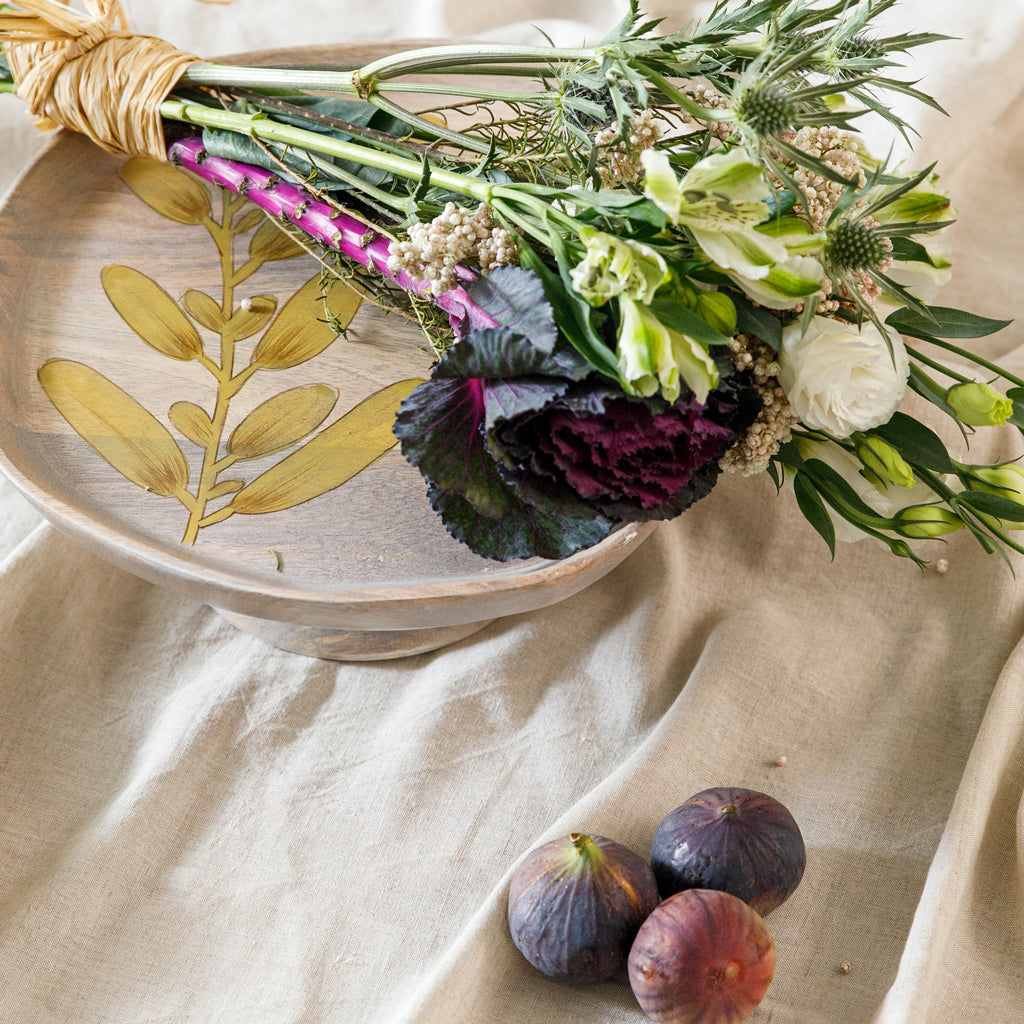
x,y
702,957
575,905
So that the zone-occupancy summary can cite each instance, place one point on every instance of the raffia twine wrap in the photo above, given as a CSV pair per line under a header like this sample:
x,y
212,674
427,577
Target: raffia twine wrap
x,y
85,72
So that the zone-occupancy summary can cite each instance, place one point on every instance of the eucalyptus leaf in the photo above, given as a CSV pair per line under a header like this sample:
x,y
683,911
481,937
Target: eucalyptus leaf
x,y
944,323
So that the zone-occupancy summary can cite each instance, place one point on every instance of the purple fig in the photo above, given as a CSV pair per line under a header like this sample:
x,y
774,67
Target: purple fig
x,y
702,957
576,903
736,840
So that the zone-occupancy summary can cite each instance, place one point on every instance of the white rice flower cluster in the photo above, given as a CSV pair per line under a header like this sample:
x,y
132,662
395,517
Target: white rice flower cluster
x,y
754,448
837,150
620,164
455,236
706,96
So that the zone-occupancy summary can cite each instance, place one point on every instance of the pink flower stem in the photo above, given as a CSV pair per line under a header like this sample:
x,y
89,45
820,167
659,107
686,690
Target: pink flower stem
x,y
293,204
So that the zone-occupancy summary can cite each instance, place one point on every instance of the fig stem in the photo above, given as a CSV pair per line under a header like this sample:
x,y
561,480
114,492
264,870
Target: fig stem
x,y
584,844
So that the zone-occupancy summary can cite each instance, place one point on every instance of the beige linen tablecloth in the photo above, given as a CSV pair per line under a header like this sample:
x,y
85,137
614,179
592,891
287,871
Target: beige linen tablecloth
x,y
197,828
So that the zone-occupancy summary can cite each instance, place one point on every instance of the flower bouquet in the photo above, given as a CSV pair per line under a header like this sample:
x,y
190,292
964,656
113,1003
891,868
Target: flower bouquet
x,y
639,264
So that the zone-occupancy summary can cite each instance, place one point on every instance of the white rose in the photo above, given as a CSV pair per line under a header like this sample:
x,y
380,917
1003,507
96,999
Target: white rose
x,y
840,378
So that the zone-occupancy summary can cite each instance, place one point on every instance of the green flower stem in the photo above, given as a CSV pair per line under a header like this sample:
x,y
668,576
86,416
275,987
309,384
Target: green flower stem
x,y
358,82
262,127
685,102
935,365
970,356
505,212
430,127
438,58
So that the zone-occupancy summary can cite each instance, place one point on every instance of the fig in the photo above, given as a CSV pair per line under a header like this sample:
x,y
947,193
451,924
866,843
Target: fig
x,y
737,840
702,957
575,904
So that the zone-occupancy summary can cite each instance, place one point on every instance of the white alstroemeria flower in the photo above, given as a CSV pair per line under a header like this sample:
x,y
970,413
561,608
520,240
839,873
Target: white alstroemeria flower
x,y
614,266
721,201
653,358
841,379
787,285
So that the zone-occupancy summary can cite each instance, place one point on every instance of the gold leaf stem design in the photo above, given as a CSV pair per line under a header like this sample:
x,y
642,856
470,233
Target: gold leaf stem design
x,y
228,384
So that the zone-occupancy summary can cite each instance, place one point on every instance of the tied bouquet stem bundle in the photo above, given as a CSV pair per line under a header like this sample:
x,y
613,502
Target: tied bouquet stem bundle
x,y
640,264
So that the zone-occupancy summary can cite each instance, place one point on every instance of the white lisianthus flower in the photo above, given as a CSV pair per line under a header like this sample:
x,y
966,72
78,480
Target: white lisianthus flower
x,y
886,502
653,358
840,378
614,266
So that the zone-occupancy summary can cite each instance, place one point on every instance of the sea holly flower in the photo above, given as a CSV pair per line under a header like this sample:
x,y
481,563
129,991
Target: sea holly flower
x,y
979,405
840,378
616,266
653,358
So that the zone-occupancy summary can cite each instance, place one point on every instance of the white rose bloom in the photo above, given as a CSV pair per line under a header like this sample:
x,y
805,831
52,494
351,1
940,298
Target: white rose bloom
x,y
840,378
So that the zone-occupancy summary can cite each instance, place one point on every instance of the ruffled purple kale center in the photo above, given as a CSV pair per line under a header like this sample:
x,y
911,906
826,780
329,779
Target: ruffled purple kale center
x,y
627,452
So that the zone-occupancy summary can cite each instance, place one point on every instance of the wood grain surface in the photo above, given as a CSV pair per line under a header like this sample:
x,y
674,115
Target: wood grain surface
x,y
367,557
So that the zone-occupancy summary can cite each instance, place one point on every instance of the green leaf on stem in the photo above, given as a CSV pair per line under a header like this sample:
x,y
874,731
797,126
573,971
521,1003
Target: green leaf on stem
x,y
990,505
915,442
813,509
756,320
945,323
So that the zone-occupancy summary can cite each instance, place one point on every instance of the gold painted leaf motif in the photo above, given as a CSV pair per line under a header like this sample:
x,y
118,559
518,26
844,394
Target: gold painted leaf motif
x,y
248,222
300,330
282,421
336,454
151,313
169,191
271,242
192,421
204,309
225,487
245,322
131,439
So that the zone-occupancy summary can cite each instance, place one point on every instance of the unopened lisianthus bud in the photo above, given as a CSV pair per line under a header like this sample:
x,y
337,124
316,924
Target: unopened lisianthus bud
x,y
1007,481
883,465
920,522
979,405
